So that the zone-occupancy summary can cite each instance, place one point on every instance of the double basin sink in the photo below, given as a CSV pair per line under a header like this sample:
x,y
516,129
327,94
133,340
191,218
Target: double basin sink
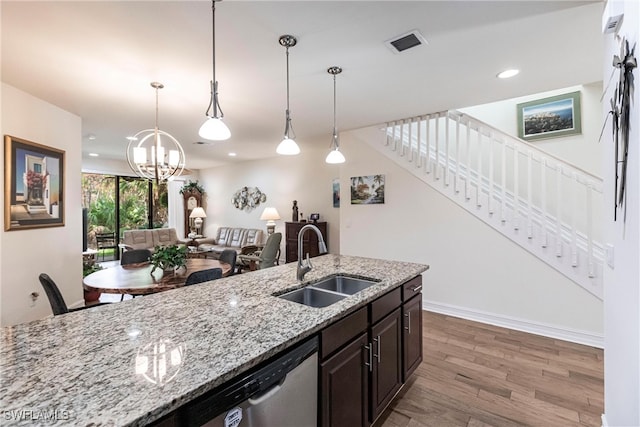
x,y
328,290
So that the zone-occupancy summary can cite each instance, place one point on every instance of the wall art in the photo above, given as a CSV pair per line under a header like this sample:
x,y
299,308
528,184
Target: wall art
x,y
367,190
34,185
248,198
336,192
550,117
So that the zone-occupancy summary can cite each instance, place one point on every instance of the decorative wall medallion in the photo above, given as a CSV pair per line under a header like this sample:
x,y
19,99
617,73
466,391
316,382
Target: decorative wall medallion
x,y
248,198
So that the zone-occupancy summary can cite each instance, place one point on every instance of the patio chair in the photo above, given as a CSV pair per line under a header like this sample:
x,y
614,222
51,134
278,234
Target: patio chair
x,y
106,241
229,256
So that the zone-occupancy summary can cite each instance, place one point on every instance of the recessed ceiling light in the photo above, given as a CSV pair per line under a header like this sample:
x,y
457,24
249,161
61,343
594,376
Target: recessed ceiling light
x,y
508,73
92,137
132,138
94,154
232,154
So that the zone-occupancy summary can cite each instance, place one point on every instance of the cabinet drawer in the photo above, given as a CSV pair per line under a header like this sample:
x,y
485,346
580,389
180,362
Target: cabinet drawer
x,y
343,331
411,288
385,305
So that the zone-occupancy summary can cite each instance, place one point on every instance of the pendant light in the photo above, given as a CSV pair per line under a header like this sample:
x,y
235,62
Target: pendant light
x,y
334,156
148,158
214,128
288,146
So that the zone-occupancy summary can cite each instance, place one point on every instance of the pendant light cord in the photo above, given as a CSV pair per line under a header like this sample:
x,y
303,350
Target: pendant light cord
x,y
288,127
213,102
334,107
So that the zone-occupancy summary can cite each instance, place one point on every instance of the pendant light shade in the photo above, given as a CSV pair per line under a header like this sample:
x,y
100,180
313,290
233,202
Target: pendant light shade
x,y
149,158
288,146
334,156
214,128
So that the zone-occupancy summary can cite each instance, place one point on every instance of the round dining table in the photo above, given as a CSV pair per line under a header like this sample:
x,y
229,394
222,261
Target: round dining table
x,y
137,279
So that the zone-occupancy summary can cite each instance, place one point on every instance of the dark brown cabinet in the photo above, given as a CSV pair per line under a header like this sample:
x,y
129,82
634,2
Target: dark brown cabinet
x,y
386,375
411,335
309,241
344,381
367,356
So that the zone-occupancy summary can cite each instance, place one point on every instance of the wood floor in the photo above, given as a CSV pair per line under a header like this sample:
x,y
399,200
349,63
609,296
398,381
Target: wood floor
x,y
479,375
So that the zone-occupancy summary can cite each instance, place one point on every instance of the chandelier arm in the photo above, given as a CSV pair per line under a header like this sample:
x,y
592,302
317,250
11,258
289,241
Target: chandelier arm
x,y
216,104
206,113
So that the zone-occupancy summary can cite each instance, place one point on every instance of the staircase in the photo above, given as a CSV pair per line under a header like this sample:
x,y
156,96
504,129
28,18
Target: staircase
x,y
544,204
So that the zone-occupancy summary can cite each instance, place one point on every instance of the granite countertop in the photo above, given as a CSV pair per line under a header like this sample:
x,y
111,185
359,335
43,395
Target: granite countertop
x,y
95,367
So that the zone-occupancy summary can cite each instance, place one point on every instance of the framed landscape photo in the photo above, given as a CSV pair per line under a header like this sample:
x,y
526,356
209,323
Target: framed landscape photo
x,y
34,185
367,190
550,117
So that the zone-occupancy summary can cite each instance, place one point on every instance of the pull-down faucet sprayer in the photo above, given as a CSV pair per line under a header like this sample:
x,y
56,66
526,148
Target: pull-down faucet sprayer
x,y
304,266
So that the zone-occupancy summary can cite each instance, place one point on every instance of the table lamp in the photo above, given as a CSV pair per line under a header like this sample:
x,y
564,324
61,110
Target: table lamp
x,y
270,215
197,214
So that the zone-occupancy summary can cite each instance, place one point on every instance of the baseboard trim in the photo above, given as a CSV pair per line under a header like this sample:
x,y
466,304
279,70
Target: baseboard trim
x,y
579,337
604,421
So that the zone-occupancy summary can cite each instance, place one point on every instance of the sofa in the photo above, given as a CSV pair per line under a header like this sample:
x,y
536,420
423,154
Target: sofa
x,y
233,238
149,239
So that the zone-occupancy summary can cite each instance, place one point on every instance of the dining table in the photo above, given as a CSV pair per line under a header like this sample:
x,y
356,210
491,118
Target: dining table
x,y
141,279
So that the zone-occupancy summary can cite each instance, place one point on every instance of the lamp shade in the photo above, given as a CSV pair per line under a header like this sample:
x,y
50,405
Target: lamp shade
x,y
198,213
270,214
214,129
335,157
288,147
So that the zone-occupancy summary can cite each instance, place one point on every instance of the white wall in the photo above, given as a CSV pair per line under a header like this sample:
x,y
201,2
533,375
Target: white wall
x,y
622,289
582,150
305,178
473,269
56,250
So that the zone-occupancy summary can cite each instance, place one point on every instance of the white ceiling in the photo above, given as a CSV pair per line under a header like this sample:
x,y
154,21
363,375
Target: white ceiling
x,y
96,59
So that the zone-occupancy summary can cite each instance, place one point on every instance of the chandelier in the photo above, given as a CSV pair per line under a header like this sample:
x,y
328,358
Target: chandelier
x,y
149,158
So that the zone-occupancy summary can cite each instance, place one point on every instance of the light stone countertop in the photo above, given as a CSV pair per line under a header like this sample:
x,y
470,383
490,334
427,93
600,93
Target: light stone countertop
x,y
86,367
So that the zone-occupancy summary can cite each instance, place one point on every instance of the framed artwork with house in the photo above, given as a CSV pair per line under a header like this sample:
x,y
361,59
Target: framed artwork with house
x,y
34,185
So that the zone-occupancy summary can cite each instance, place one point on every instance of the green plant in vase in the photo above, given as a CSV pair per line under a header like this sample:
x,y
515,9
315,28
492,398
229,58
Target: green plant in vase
x,y
169,258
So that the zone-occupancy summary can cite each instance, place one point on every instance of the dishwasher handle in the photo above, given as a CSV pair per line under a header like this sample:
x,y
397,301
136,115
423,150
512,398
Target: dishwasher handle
x,y
263,397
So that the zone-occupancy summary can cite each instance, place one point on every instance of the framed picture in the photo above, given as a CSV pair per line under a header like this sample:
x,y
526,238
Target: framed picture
x,y
336,192
550,117
367,190
34,185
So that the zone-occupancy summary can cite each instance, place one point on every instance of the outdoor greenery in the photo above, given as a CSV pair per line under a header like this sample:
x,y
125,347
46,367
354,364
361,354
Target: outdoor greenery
x,y
169,257
99,197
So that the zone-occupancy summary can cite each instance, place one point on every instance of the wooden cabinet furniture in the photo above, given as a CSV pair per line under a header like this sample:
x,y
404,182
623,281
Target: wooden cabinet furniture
x,y
309,242
366,357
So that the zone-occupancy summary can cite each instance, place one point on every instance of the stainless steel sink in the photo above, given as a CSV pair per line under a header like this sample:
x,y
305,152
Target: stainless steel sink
x,y
328,290
313,297
344,284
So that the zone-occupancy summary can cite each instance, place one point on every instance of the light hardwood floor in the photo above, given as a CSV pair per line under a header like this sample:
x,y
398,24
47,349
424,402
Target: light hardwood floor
x,y
479,375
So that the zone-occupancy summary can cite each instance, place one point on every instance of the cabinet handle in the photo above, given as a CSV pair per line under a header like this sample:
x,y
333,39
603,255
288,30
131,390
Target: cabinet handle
x,y
408,328
370,364
417,288
377,355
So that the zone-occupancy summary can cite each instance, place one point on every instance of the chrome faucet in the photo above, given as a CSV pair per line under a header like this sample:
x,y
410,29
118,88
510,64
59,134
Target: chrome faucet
x,y
304,266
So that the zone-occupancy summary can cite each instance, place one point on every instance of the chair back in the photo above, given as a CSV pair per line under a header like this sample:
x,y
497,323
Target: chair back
x,y
269,254
229,256
204,276
53,293
135,256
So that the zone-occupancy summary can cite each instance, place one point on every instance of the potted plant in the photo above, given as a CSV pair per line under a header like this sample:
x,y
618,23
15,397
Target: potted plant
x,y
191,187
89,267
169,258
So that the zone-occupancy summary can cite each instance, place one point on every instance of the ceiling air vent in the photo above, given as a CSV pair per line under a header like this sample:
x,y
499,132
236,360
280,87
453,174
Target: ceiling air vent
x,y
406,41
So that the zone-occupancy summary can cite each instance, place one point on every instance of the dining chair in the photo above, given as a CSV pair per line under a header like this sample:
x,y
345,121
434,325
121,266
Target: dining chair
x,y
135,256
229,256
203,276
58,305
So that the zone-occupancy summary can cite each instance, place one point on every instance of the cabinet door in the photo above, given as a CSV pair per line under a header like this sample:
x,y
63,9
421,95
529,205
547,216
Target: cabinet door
x,y
386,377
344,386
412,335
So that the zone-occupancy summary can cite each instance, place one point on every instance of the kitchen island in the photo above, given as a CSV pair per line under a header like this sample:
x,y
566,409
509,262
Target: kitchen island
x,y
131,363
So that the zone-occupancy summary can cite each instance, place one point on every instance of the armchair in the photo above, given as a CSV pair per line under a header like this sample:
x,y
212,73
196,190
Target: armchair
x,y
258,259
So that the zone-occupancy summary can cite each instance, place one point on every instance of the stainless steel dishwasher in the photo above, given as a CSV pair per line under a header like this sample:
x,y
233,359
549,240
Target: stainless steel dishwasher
x,y
281,393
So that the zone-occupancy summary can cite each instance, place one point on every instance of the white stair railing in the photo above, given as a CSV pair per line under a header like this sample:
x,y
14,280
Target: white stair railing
x,y
538,200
